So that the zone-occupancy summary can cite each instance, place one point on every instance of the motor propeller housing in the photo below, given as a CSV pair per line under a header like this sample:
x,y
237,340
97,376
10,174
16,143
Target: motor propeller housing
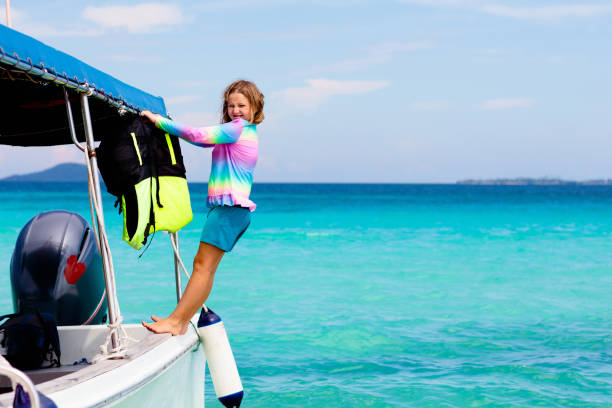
x,y
56,268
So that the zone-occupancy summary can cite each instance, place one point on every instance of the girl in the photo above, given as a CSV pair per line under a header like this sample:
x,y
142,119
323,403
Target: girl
x,y
234,156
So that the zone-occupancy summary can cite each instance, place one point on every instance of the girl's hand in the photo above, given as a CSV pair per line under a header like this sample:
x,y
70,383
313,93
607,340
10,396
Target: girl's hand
x,y
150,116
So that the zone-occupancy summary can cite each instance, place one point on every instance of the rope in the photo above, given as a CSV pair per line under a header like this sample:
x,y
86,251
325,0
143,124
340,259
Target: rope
x,y
178,257
97,224
122,338
95,206
182,265
109,353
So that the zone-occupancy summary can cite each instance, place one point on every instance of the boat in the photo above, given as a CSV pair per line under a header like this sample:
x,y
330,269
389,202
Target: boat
x,y
113,364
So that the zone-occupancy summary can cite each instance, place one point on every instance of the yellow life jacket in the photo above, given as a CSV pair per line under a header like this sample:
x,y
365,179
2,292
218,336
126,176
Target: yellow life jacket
x,y
143,167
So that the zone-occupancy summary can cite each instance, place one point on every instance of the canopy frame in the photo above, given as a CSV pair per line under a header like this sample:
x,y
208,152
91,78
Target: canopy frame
x,y
63,80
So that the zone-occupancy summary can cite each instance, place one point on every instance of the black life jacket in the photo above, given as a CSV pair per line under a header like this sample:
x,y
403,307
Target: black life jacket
x,y
143,167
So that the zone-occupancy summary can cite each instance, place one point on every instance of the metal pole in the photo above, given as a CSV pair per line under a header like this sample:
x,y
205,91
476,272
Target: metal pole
x,y
177,270
71,121
109,275
8,13
89,179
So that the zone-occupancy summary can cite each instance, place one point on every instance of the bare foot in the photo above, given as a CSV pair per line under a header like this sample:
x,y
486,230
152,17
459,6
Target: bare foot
x,y
167,325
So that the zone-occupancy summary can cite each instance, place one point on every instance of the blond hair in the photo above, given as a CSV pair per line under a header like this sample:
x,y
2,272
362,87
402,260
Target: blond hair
x,y
253,95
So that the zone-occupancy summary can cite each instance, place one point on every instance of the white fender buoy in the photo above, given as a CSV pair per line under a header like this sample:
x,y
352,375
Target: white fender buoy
x,y
220,359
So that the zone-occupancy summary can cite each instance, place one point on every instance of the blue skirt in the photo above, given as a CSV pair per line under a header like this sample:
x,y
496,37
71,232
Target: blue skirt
x,y
225,225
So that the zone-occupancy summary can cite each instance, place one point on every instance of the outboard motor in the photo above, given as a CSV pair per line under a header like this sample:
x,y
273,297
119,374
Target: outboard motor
x,y
57,268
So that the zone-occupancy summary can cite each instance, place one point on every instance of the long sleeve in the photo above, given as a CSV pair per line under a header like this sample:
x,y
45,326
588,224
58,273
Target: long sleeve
x,y
205,136
234,156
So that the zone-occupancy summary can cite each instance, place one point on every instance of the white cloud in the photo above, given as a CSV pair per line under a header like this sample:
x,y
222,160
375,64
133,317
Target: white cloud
x,y
23,22
140,18
548,12
525,13
506,103
319,90
375,54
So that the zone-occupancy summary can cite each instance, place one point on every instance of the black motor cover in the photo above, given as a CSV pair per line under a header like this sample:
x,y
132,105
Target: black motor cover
x,y
57,268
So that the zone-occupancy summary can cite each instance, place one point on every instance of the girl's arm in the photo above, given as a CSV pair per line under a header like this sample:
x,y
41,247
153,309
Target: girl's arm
x,y
205,136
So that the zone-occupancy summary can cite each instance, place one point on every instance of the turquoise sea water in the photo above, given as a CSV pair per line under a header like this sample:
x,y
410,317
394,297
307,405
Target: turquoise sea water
x,y
390,295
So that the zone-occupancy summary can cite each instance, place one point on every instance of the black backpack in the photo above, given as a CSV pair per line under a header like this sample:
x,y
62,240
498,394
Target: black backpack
x,y
30,340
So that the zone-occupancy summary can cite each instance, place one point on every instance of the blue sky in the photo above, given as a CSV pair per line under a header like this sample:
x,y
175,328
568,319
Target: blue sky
x,y
362,91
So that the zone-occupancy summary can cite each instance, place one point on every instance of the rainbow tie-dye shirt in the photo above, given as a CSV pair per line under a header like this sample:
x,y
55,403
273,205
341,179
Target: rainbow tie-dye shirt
x,y
234,155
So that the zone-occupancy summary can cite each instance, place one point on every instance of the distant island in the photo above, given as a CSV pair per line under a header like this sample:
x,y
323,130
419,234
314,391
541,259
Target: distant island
x,y
65,172
525,181
76,172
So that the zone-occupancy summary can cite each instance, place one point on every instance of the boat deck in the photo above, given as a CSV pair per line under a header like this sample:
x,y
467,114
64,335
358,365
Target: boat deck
x,y
79,345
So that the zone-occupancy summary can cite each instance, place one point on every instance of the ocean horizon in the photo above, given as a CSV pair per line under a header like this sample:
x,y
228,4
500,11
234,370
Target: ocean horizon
x,y
390,294
73,172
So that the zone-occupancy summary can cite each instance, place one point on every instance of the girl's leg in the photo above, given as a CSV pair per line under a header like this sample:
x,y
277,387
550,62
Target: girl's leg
x,y
198,288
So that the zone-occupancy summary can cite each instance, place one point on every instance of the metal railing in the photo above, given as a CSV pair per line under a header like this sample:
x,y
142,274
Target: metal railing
x,y
17,377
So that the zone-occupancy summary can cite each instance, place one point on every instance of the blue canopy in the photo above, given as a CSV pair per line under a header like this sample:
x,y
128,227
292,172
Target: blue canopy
x,y
29,52
32,79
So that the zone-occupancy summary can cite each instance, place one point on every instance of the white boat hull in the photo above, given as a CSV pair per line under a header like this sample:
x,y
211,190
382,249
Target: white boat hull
x,y
174,387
